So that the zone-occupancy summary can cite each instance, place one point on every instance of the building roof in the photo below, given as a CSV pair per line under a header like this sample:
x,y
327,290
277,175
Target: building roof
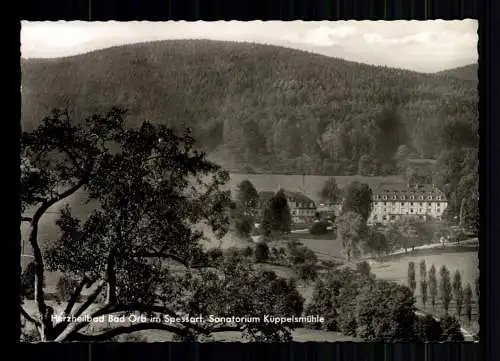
x,y
405,192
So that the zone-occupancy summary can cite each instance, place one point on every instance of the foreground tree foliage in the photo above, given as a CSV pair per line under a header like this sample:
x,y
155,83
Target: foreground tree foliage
x,y
428,329
385,313
140,247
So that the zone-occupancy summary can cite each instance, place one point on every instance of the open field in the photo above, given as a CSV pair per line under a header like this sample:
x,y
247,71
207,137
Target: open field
x,y
396,270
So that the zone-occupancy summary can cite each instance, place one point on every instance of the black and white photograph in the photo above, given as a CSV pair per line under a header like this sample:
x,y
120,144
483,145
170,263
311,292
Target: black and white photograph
x,y
238,181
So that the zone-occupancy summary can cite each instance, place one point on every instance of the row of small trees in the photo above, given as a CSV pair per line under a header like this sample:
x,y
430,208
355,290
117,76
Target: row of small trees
x,y
447,289
358,304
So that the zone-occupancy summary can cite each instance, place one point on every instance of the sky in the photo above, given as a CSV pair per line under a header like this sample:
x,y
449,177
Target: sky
x,y
424,46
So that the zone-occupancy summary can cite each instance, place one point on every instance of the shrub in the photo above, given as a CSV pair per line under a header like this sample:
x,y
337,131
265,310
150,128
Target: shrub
x,y
65,288
427,329
233,254
299,254
274,252
261,253
329,264
320,228
307,271
334,299
451,329
30,334
363,268
385,312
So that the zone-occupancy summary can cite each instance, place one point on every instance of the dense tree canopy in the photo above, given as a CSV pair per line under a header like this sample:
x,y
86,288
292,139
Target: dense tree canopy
x,y
268,107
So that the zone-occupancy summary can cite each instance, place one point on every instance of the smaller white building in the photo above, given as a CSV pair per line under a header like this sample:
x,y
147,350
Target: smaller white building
x,y
394,201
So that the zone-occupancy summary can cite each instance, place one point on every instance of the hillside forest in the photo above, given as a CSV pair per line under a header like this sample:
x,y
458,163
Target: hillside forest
x,y
268,109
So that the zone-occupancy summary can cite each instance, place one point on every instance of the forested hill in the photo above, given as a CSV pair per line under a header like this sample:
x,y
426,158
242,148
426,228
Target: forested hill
x,y
268,108
468,72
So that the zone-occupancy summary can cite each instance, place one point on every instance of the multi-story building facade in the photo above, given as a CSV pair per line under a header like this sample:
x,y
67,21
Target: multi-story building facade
x,y
302,208
394,201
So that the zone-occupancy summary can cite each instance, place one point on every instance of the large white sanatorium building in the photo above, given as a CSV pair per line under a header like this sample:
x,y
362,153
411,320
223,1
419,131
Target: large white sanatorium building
x,y
396,200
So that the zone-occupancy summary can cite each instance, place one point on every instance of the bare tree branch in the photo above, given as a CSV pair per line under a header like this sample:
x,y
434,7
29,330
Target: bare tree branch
x,y
65,328
90,299
86,282
70,190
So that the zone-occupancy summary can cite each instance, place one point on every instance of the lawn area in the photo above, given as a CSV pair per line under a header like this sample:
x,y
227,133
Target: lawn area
x,y
466,261
325,249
